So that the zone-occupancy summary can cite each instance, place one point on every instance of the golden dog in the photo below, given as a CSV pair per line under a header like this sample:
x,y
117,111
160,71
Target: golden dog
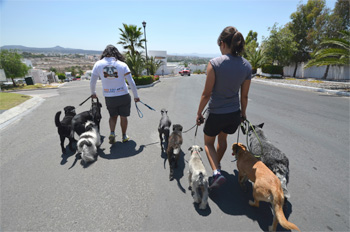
x,y
267,187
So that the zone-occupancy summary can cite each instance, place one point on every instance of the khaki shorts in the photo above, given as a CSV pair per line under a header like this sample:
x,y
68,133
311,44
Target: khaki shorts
x,y
119,105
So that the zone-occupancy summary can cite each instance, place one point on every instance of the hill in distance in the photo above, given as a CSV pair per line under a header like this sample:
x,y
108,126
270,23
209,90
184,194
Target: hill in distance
x,y
57,49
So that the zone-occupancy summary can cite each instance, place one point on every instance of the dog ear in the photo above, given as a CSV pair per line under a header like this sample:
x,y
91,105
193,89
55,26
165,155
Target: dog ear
x,y
261,125
100,105
201,148
190,148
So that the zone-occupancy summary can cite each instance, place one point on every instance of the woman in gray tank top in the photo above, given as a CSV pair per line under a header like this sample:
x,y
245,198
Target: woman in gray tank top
x,y
226,76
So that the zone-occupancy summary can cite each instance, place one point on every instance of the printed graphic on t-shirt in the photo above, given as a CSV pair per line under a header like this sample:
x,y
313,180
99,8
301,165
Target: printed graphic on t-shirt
x,y
110,72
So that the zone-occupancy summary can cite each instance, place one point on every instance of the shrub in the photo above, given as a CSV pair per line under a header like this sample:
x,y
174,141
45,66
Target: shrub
x,y
272,69
143,80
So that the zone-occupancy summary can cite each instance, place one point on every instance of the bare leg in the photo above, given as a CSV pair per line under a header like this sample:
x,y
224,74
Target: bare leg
x,y
124,124
112,122
221,146
211,152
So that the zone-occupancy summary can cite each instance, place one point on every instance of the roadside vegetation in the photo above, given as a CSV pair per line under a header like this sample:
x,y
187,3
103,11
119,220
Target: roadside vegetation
x,y
9,100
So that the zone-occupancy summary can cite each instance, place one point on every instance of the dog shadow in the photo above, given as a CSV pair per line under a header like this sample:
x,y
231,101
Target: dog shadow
x,y
66,155
231,199
121,150
179,171
205,212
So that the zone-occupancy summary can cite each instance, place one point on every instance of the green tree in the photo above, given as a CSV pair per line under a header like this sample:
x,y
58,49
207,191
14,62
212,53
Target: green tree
x,y
10,61
61,76
251,43
136,63
336,54
256,59
153,65
131,38
303,28
52,69
279,47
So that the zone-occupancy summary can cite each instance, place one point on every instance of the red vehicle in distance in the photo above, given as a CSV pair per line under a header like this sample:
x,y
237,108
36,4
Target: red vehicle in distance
x,y
185,71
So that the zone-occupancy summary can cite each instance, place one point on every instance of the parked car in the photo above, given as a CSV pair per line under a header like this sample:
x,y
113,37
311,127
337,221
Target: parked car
x,y
185,71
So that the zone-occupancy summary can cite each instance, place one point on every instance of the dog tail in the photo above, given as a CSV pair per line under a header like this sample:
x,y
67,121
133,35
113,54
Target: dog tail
x,y
278,201
201,179
57,119
86,143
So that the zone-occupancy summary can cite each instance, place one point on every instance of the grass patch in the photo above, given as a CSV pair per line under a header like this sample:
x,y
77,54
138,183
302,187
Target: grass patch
x,y
21,87
9,100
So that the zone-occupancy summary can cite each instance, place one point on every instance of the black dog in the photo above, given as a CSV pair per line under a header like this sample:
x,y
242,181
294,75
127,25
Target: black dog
x,y
79,120
64,127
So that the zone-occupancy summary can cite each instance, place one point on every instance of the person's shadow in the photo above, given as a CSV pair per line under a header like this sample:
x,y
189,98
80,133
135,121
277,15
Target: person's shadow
x,y
231,199
121,150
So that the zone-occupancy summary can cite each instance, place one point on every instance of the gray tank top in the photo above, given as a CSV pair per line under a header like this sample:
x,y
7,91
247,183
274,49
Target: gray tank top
x,y
230,72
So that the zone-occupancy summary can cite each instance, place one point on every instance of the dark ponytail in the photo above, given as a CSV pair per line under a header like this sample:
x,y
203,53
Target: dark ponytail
x,y
111,51
234,40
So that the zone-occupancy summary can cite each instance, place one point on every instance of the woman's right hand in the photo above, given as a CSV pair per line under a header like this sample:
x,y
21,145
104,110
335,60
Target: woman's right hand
x,y
199,120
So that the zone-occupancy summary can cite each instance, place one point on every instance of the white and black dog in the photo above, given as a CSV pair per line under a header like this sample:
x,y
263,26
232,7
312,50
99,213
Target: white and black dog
x,y
271,156
88,142
197,177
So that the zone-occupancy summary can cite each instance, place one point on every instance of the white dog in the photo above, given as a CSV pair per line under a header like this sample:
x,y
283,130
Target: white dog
x,y
198,177
88,142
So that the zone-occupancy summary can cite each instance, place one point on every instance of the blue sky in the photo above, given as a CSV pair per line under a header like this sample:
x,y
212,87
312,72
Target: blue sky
x,y
178,27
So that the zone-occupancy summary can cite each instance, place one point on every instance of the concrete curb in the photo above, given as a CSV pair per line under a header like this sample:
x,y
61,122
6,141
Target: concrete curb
x,y
341,93
11,115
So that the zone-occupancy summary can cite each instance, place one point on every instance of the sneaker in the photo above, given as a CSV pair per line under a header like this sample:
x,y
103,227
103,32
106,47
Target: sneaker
x,y
111,139
125,138
217,181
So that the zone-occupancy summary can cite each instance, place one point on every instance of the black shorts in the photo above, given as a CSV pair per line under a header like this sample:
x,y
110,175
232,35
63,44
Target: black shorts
x,y
119,105
227,123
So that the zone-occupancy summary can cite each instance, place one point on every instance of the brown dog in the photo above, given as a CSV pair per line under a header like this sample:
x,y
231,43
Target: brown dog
x,y
267,187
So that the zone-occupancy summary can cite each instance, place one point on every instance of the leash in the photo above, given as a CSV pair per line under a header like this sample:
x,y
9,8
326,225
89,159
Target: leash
x,y
85,101
245,125
139,111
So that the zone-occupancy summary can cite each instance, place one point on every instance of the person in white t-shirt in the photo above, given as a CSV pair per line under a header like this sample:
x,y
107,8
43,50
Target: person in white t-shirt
x,y
113,72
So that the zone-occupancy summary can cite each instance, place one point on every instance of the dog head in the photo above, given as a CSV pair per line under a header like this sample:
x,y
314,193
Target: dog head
x,y
163,111
89,125
177,127
195,148
256,128
69,110
237,148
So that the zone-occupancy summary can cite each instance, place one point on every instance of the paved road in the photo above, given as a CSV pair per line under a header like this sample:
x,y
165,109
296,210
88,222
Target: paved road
x,y
127,188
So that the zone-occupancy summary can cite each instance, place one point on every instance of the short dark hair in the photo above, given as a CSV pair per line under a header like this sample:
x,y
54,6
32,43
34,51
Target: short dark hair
x,y
234,40
111,51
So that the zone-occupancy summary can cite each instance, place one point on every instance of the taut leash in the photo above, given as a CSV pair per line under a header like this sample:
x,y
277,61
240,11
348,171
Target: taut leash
x,y
85,101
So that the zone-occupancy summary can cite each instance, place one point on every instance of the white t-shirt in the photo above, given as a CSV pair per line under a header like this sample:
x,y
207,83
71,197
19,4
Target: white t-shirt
x,y
113,74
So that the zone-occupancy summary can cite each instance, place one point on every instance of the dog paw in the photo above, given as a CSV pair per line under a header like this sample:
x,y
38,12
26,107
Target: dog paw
x,y
171,178
202,206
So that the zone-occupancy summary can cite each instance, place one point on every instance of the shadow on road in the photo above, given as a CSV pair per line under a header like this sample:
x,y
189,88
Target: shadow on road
x,y
121,150
231,199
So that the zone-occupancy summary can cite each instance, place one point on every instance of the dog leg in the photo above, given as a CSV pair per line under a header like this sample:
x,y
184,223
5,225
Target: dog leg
x,y
62,138
273,227
242,181
205,195
254,203
189,180
196,196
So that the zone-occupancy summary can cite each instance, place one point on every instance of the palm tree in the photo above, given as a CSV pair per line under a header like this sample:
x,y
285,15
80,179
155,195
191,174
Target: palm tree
x,y
153,65
136,63
131,38
256,59
335,52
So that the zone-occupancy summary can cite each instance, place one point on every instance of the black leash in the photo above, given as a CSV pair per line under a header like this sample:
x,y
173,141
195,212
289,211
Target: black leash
x,y
85,101
139,111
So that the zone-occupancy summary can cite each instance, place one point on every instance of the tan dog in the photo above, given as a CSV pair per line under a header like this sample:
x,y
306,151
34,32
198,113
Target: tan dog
x,y
267,187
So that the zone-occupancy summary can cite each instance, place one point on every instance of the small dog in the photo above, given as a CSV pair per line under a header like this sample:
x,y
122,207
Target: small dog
x,y
64,127
174,148
88,142
197,177
267,187
272,157
164,126
79,120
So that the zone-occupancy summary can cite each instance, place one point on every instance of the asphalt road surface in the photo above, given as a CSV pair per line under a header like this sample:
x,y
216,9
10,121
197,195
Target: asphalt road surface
x,y
128,187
